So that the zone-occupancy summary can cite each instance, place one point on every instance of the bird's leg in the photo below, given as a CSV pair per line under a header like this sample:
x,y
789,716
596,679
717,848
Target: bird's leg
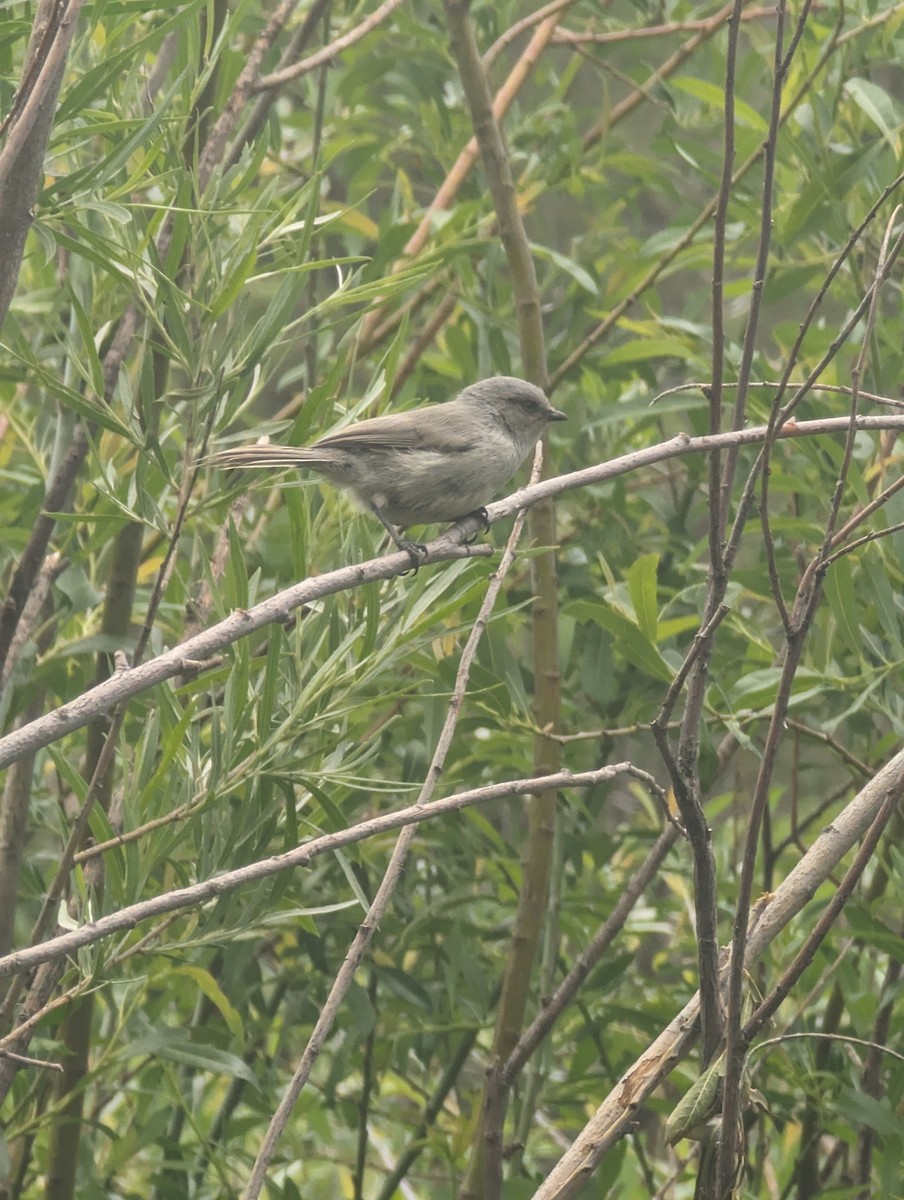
x,y
415,550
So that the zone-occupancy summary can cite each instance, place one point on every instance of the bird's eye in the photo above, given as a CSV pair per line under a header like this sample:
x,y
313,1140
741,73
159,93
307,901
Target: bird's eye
x,y
533,405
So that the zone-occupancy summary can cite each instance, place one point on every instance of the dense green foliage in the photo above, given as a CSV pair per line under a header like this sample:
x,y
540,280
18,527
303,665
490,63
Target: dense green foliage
x,y
278,299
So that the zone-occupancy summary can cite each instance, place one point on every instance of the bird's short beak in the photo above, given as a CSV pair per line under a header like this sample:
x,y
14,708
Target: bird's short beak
x,y
555,415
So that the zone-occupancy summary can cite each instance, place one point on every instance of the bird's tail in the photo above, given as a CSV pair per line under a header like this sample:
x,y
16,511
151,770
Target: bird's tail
x,y
265,455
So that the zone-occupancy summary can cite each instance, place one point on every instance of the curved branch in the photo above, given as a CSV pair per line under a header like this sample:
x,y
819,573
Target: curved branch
x,y
614,1116
313,61
195,650
199,893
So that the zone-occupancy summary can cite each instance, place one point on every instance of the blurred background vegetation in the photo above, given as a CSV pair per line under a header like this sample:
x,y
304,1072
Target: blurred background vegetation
x,y
176,298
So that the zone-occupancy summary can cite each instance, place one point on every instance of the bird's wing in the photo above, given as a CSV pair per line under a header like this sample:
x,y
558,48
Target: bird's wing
x,y
399,431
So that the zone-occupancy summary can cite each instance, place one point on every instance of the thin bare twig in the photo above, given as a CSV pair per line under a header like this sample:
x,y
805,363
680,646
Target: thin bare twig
x,y
215,146
701,637
22,1060
565,37
553,1008
868,537
811,1035
880,274
837,389
518,27
258,117
312,62
780,68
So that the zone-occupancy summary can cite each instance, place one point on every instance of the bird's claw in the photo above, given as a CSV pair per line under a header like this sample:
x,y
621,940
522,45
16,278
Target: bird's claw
x,y
416,551
485,521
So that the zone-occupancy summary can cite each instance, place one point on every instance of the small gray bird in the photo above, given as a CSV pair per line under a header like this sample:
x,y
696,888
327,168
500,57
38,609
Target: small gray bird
x,y
432,464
